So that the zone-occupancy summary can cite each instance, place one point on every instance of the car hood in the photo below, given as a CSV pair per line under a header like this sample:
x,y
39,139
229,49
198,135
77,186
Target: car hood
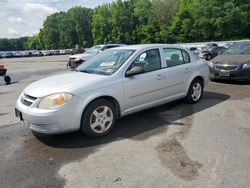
x,y
241,58
66,82
84,56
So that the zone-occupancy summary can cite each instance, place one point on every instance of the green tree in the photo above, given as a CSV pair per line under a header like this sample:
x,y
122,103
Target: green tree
x,y
68,34
76,28
122,22
51,30
147,27
14,44
141,21
102,24
82,21
164,10
207,20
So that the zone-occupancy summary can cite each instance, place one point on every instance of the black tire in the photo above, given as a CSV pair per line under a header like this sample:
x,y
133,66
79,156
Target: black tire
x,y
212,79
189,98
89,114
209,57
7,80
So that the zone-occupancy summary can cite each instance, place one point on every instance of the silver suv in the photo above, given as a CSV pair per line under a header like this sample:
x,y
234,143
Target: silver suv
x,y
77,59
116,83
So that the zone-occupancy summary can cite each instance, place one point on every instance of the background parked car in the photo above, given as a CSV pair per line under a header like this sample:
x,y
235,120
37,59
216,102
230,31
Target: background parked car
x,y
26,53
233,64
55,52
211,52
209,45
76,60
64,52
37,53
17,54
7,55
228,44
46,52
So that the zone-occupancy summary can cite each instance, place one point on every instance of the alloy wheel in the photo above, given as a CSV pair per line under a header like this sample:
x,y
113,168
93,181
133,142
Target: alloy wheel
x,y
196,91
101,119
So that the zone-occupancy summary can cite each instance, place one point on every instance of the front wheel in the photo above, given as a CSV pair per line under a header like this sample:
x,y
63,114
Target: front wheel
x,y
7,80
98,118
195,91
209,57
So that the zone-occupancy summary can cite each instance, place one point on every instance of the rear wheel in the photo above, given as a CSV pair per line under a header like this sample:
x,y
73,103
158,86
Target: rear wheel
x,y
212,79
98,118
195,91
7,80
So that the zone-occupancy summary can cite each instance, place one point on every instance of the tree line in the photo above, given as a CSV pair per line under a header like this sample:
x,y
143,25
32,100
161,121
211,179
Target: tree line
x,y
14,44
145,21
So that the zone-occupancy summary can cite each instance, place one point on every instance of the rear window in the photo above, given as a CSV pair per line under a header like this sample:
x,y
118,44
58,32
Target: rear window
x,y
175,57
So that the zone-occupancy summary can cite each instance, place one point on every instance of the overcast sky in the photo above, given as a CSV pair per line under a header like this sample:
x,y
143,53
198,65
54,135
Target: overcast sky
x,y
25,17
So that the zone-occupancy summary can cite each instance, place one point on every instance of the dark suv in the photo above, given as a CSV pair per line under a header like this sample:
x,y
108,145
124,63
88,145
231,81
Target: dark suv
x,y
211,52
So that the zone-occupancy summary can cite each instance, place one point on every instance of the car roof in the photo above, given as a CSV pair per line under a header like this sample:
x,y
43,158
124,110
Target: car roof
x,y
103,45
243,42
143,46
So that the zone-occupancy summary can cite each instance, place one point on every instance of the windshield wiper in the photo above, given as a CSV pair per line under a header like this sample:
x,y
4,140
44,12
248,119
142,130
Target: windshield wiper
x,y
87,71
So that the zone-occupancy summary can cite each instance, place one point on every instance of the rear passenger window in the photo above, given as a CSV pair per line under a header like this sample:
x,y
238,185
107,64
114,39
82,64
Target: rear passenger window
x,y
175,57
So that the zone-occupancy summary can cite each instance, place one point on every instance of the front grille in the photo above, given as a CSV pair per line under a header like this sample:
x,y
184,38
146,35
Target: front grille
x,y
226,67
30,97
28,100
26,103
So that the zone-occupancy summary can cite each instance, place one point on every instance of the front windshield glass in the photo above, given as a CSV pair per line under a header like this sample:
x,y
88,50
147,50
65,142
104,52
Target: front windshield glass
x,y
93,50
208,48
238,49
107,62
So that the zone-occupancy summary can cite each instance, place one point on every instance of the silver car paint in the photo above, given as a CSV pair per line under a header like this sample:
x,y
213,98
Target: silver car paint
x,y
133,94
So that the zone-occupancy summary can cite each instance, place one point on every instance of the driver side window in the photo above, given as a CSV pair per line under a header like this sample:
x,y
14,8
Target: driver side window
x,y
149,60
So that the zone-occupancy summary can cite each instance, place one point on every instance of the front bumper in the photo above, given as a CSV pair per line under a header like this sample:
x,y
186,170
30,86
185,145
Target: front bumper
x,y
229,78
73,63
60,120
239,74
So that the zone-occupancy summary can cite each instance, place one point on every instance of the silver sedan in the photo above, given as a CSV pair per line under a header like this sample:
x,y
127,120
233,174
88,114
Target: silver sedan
x,y
116,83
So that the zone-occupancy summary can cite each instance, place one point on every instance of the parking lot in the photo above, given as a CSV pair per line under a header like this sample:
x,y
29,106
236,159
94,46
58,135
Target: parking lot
x,y
174,145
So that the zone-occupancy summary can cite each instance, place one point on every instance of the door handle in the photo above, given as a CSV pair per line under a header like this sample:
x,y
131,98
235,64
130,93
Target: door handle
x,y
160,77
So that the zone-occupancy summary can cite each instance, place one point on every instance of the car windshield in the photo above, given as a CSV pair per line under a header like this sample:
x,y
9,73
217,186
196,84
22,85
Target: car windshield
x,y
208,48
93,50
238,49
107,62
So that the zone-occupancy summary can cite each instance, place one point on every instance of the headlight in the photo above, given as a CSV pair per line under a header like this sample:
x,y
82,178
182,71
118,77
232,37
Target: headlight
x,y
246,65
54,101
210,64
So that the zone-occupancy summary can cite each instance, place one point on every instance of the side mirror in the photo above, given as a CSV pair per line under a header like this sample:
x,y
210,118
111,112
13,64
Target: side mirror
x,y
134,71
